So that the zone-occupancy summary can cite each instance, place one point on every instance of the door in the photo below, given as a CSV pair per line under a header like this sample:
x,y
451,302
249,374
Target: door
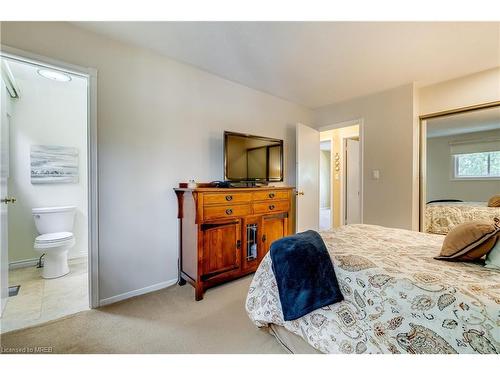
x,y
307,154
274,227
352,182
221,248
4,174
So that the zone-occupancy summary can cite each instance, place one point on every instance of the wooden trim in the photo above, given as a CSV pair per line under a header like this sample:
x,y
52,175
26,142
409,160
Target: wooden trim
x,y
201,189
180,203
461,110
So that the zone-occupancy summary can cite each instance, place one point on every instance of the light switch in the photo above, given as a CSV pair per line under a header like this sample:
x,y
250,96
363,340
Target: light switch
x,y
375,174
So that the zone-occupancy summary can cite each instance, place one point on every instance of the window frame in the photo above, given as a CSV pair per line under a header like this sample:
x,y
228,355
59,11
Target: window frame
x,y
454,169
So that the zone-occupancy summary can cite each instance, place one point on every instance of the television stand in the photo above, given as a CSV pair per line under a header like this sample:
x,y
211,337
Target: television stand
x,y
226,232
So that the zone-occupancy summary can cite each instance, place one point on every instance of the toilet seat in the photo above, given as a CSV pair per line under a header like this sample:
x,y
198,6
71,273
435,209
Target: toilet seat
x,y
57,239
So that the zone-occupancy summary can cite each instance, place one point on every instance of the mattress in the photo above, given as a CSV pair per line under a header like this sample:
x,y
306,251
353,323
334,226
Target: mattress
x,y
441,217
398,299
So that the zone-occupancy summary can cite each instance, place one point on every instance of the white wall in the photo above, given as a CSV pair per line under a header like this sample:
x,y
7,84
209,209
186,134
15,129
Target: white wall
x,y
441,185
389,123
48,113
473,89
160,122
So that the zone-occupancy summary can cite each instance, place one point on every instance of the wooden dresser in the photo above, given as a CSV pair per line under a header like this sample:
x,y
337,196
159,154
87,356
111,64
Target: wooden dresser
x,y
225,233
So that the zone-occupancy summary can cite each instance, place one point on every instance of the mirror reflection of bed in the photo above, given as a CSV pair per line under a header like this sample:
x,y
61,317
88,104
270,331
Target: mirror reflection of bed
x,y
462,168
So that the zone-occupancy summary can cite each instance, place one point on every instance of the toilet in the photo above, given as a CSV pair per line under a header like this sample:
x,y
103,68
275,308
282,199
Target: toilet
x,y
55,226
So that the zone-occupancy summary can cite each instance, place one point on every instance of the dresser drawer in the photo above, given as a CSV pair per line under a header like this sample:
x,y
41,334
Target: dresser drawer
x,y
218,212
270,195
275,206
225,198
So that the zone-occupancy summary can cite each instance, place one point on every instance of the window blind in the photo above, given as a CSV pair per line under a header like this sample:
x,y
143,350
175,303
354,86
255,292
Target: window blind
x,y
471,147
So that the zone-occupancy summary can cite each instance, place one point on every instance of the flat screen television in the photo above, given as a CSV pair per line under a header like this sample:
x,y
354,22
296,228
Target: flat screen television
x,y
252,158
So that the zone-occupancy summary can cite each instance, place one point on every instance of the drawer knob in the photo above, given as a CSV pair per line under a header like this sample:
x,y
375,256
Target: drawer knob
x,y
229,211
272,207
271,195
229,198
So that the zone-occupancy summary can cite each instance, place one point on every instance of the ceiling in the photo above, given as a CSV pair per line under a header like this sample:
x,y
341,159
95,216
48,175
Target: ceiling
x,y
319,63
29,72
463,123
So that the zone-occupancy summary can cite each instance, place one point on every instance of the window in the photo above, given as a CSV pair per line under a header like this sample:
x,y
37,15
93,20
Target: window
x,y
477,165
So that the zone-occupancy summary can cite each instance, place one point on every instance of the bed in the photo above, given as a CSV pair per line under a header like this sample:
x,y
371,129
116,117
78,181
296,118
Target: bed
x,y
397,299
440,217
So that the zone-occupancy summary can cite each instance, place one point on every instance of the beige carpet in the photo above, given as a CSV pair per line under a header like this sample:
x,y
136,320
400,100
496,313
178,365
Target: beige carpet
x,y
167,321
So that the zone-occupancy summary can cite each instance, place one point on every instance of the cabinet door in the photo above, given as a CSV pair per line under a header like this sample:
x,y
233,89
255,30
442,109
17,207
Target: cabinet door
x,y
252,246
274,227
221,248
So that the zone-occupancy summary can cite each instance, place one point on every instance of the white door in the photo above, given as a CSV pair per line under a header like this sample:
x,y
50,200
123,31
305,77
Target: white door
x,y
4,174
307,154
352,185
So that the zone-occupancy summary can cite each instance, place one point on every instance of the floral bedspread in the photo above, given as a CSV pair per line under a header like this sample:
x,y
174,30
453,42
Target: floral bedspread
x,y
441,217
398,299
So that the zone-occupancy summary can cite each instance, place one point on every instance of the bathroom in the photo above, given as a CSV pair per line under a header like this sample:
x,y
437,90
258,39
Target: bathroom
x,y
45,192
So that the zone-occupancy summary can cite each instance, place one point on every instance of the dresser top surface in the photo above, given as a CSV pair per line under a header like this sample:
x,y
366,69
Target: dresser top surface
x,y
242,189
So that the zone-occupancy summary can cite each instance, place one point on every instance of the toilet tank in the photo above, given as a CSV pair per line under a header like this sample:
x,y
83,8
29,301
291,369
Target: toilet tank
x,y
54,219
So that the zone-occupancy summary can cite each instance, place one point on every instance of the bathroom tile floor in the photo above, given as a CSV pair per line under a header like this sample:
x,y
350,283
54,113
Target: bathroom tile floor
x,y
40,300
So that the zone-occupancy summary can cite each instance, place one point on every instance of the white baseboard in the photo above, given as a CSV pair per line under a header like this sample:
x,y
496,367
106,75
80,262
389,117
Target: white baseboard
x,y
137,292
32,262
23,263
79,254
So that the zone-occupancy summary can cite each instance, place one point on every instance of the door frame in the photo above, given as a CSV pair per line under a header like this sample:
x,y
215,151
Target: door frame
x,y
345,124
92,151
343,190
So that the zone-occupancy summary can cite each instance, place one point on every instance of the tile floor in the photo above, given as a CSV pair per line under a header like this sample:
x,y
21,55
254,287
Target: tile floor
x,y
41,300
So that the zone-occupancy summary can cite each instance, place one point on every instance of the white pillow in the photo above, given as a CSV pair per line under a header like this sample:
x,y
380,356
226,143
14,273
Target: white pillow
x,y
493,257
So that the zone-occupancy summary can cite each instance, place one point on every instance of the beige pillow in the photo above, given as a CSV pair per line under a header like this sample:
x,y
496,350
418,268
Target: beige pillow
x,y
494,201
470,241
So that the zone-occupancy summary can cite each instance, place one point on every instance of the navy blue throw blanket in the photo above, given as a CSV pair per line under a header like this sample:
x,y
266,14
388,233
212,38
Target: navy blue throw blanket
x,y
304,274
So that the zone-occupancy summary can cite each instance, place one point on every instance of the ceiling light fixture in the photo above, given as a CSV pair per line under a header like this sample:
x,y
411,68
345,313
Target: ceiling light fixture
x,y
54,75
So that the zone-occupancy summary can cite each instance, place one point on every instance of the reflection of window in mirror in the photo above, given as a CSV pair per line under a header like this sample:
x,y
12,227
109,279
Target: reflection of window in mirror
x,y
476,165
463,156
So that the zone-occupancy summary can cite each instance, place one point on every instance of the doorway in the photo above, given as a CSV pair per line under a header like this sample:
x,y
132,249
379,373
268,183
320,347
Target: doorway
x,y
345,175
49,190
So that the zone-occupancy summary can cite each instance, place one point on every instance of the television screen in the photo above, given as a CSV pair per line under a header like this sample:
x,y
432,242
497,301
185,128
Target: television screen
x,y
252,158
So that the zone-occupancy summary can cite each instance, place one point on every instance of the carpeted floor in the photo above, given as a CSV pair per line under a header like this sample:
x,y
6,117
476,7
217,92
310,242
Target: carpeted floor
x,y
167,321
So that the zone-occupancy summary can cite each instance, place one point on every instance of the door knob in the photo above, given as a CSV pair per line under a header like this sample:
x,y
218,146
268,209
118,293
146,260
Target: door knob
x,y
8,200
299,193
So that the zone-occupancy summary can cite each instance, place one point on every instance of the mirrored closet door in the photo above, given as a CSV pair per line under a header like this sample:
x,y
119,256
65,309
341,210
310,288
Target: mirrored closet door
x,y
460,168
